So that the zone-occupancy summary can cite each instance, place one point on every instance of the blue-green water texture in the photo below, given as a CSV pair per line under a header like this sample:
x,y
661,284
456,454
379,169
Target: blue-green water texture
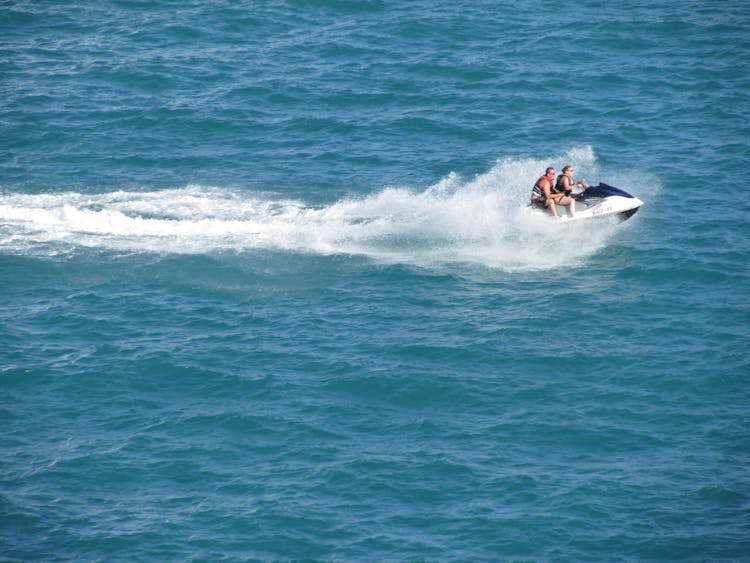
x,y
270,288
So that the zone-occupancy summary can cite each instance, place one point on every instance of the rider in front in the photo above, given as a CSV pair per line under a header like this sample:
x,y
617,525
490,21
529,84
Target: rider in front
x,y
544,194
565,182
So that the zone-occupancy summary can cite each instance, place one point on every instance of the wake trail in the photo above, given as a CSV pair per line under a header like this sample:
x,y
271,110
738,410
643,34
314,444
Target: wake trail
x,y
481,220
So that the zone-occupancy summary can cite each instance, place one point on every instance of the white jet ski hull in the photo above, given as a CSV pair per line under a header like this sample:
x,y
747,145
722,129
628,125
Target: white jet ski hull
x,y
601,202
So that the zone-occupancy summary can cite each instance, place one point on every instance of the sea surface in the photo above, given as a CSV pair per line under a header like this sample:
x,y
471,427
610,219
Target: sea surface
x,y
270,289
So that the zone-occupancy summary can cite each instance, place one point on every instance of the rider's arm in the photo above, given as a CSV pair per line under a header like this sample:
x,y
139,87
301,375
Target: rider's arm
x,y
547,187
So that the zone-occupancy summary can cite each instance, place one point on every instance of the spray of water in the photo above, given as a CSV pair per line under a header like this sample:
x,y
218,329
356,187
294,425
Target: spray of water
x,y
482,220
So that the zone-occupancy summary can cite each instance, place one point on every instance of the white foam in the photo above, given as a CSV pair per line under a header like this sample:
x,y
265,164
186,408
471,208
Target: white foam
x,y
481,220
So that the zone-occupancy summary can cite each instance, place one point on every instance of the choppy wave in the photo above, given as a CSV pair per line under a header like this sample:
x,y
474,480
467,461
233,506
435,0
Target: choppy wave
x,y
482,220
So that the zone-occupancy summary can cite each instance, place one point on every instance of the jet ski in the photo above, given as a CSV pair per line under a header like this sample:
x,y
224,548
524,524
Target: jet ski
x,y
601,202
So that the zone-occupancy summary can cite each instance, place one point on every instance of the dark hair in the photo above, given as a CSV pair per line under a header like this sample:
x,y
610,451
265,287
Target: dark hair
x,y
549,169
564,168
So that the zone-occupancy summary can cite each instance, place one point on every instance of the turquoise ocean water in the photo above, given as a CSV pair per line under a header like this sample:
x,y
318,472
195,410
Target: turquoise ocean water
x,y
269,289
